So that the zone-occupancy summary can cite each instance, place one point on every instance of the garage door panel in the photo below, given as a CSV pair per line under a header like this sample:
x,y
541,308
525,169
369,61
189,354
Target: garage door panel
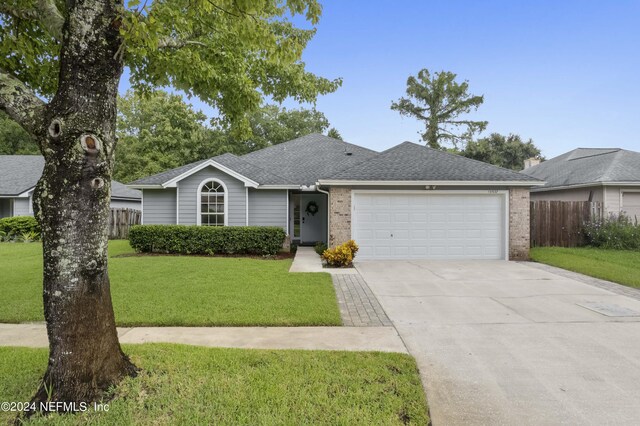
x,y
429,226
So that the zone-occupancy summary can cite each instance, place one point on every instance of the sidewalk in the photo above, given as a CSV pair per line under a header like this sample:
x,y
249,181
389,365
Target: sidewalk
x,y
384,339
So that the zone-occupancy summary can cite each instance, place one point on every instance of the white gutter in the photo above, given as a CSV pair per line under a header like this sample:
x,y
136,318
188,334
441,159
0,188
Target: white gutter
x,y
429,182
144,186
278,187
585,185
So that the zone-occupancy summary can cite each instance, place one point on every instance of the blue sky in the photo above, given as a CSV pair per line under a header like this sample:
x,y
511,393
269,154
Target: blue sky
x,y
564,73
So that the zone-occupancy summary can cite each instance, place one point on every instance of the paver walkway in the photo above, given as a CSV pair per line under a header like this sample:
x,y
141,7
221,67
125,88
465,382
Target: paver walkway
x,y
384,339
358,306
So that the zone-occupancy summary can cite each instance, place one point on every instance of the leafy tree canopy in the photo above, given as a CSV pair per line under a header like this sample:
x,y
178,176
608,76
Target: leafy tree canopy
x,y
334,133
229,53
14,139
504,151
158,131
439,101
271,125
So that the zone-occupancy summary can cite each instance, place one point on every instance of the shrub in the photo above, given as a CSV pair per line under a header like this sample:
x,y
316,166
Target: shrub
x,y
181,239
320,247
614,232
15,227
342,255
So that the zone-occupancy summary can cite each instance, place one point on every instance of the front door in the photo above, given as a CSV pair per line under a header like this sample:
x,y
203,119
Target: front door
x,y
309,217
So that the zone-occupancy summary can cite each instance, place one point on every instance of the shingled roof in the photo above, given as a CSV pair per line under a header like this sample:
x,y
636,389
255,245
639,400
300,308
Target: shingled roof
x,y
304,160
584,166
412,162
312,158
300,161
20,173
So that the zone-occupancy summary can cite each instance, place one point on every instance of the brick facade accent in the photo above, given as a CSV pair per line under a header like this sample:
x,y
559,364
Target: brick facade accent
x,y
519,234
339,215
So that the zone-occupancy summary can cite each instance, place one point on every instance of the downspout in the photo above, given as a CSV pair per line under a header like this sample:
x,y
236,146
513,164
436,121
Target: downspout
x,y
328,211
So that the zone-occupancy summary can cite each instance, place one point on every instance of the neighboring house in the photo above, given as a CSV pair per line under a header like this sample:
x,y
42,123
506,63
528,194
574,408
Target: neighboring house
x,y
19,175
408,202
608,175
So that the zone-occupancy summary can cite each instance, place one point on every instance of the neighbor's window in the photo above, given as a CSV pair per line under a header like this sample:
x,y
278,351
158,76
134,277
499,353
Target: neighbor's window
x,y
212,204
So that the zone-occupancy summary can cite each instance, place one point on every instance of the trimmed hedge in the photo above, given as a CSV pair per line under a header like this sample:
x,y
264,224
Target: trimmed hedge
x,y
19,225
182,239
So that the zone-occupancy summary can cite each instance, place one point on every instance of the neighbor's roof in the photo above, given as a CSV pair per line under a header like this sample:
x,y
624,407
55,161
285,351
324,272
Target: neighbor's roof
x,y
20,173
412,162
584,166
300,161
120,190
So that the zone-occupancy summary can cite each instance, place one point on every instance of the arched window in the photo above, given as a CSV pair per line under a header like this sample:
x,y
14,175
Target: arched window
x,y
212,203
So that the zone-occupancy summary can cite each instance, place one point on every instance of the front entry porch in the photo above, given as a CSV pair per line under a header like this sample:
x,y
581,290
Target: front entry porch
x,y
308,215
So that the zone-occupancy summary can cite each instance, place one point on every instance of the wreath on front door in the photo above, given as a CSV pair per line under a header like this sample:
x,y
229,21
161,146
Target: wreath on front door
x,y
312,208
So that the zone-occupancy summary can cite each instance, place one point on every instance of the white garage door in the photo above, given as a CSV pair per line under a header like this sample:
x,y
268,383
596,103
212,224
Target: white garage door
x,y
429,226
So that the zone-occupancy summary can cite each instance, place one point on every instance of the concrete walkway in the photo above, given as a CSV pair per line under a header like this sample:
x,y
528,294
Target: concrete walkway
x,y
383,339
502,343
307,260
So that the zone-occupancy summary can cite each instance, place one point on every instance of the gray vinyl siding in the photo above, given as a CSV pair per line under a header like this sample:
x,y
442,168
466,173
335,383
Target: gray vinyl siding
x,y
268,207
21,207
631,202
188,195
159,206
612,199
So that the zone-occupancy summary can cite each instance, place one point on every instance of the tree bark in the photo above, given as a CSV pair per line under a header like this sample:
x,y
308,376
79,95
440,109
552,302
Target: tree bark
x,y
71,202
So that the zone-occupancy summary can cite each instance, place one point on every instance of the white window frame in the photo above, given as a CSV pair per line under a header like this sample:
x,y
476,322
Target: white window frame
x,y
199,200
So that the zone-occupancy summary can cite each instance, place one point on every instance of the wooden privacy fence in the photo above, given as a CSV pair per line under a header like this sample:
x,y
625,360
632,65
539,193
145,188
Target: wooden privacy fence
x,y
120,220
559,223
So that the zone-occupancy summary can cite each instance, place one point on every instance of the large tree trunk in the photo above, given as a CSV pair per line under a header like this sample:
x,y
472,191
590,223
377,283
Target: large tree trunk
x,y
72,205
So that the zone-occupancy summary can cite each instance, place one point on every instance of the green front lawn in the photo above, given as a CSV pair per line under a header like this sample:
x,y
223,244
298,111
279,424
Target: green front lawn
x,y
620,266
187,385
180,290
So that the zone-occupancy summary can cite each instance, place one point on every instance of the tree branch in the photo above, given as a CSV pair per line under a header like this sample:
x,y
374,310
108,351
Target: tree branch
x,y
44,11
20,103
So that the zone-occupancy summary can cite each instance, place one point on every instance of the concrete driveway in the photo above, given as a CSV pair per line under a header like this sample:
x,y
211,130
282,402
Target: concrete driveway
x,y
506,343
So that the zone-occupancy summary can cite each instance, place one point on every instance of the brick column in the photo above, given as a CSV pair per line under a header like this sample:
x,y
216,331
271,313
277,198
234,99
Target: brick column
x,y
339,215
519,233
